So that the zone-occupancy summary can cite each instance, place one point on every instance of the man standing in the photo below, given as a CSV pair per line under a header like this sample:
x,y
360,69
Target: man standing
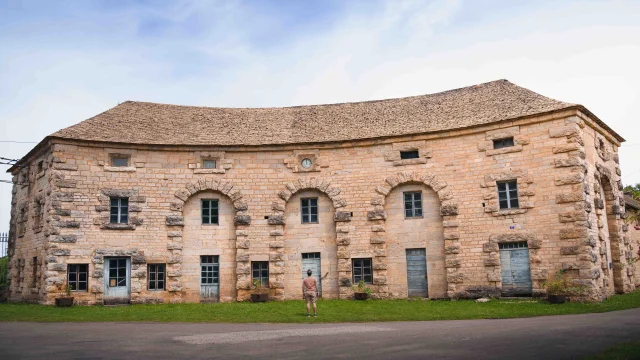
x,y
310,292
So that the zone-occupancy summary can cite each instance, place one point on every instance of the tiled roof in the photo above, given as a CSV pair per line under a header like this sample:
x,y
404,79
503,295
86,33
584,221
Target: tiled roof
x,y
629,201
150,123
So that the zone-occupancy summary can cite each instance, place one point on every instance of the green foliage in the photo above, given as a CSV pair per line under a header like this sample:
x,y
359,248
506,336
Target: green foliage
x,y
362,288
333,311
635,190
4,271
561,284
257,286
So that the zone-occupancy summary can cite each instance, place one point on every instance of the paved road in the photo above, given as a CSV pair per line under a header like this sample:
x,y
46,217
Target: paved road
x,y
559,337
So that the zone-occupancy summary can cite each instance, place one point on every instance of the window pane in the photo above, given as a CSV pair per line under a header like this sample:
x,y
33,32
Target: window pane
x,y
314,218
114,202
514,203
418,212
513,194
502,186
504,204
124,219
313,202
409,154
124,202
209,164
304,202
120,161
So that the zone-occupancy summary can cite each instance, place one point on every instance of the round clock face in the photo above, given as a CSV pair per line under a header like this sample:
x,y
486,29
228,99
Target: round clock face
x,y
306,163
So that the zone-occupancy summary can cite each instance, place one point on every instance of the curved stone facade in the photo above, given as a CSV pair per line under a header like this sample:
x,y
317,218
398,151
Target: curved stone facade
x,y
564,165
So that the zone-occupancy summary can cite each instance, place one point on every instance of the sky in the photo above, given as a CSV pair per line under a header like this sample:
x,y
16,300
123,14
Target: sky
x,y
64,61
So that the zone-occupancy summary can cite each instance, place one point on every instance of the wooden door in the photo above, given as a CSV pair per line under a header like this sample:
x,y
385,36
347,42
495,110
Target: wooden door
x,y
117,280
516,275
209,278
417,273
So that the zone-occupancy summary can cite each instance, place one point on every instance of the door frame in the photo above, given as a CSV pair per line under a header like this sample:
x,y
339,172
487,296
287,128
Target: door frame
x,y
124,299
209,299
319,276
426,270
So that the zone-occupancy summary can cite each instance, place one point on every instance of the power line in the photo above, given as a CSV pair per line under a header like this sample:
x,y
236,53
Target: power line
x,y
6,181
18,142
3,158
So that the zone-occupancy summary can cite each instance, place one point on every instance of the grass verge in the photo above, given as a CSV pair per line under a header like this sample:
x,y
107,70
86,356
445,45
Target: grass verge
x,y
330,311
622,351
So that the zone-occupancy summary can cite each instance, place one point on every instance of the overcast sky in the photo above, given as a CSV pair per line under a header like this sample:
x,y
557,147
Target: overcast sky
x,y
62,62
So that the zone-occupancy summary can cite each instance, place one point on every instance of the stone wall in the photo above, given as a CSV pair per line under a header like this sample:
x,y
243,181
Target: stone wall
x,y
554,162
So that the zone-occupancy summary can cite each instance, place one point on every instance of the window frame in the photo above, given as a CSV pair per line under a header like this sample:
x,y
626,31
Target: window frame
x,y
156,272
510,187
263,268
309,208
362,267
409,154
205,161
34,271
114,157
503,143
119,214
212,270
417,212
77,280
210,208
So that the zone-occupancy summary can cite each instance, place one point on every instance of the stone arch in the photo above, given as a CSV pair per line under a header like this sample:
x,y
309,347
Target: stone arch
x,y
277,221
448,211
175,222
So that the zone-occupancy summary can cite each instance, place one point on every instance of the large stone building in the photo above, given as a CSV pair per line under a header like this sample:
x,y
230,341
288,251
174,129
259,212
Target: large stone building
x,y
485,189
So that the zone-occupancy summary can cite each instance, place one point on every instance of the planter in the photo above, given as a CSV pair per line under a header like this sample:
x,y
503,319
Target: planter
x,y
557,299
259,297
64,301
360,296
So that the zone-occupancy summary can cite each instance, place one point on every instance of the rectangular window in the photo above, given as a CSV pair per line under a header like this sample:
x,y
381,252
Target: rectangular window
x,y
315,255
77,276
413,154
362,271
119,213
209,270
40,166
515,245
35,272
209,164
260,271
413,204
508,194
156,276
118,272
119,160
309,210
210,212
502,143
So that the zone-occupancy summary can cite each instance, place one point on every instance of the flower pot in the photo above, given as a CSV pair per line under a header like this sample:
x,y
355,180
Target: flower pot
x,y
360,296
64,301
557,299
259,297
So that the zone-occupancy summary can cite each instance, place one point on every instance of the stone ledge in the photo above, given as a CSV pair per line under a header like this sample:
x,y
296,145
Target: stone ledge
x,y
110,226
119,168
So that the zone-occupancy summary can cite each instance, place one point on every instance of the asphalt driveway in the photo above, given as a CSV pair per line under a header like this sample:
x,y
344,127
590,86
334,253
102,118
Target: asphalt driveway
x,y
558,337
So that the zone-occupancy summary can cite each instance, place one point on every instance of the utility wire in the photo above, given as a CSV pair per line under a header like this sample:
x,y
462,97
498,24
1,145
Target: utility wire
x,y
18,142
3,158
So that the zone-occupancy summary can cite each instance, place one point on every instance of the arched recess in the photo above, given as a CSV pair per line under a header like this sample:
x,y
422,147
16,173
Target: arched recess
x,y
610,234
448,210
176,221
277,220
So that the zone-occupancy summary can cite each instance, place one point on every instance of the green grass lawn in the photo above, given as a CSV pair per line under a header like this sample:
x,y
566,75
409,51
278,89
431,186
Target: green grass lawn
x,y
329,311
622,351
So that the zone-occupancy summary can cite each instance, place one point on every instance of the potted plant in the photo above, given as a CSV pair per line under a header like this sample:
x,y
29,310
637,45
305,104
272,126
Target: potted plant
x,y
65,300
260,293
361,292
559,287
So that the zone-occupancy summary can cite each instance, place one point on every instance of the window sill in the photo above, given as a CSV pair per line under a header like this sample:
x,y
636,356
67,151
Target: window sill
x,y
414,217
120,168
118,226
416,161
209,171
505,150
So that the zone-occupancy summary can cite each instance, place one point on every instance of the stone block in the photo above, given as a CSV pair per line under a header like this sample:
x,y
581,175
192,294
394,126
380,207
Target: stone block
x,y
240,220
63,238
574,233
449,209
490,247
455,278
377,240
342,216
573,178
174,220
276,219
343,241
491,262
377,215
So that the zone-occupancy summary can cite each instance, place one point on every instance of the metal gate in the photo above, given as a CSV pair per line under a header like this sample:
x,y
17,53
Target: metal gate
x,y
417,273
209,278
311,261
117,280
516,276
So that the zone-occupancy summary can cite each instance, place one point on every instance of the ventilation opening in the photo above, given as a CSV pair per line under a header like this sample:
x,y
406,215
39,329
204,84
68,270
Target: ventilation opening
x,y
266,217
413,154
503,143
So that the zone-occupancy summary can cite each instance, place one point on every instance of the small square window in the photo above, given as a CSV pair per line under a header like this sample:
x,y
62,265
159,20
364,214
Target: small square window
x,y
309,210
210,212
260,271
508,194
362,271
413,204
503,143
413,154
156,276
77,276
119,211
209,164
119,160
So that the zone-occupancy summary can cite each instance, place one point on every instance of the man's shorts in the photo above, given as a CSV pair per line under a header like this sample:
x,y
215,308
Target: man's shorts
x,y
310,296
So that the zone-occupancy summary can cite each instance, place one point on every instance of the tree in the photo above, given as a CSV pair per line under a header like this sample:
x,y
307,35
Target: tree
x,y
634,190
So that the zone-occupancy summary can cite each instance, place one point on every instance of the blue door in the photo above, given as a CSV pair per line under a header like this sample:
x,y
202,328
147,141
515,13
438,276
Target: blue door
x,y
209,278
417,273
516,276
311,261
117,280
